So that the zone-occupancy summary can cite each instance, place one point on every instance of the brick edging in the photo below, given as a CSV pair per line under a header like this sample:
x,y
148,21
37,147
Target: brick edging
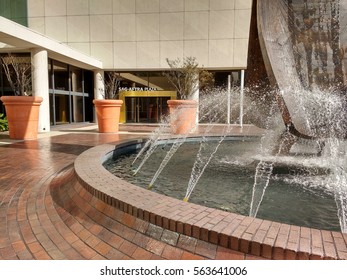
x,y
248,235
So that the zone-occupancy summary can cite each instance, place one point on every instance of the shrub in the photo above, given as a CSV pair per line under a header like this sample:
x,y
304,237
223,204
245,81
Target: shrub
x,y
3,123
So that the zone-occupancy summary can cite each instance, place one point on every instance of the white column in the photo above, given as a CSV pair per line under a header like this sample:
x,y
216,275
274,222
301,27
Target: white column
x,y
40,85
99,86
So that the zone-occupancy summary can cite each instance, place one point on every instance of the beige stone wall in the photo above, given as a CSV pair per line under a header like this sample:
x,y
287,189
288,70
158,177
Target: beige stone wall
x,y
141,34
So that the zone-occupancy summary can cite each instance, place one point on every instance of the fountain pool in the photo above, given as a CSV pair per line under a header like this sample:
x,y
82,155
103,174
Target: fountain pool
x,y
297,193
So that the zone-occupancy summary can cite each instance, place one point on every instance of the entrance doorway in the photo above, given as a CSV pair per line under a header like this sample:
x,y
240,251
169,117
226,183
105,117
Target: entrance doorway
x,y
145,109
144,106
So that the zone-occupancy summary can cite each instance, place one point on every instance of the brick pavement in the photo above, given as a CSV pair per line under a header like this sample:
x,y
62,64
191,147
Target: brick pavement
x,y
48,212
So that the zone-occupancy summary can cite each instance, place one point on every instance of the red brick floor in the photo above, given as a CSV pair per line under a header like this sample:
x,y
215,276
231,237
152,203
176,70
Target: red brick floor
x,y
41,218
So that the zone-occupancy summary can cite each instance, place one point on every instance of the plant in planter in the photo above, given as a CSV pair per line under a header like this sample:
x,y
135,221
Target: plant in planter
x,y
186,77
22,110
3,123
108,109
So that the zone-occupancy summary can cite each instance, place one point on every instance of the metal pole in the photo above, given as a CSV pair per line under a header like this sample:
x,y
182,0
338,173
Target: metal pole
x,y
70,94
83,100
241,96
229,99
53,93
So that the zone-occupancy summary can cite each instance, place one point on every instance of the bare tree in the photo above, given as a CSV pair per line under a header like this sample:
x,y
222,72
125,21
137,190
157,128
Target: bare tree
x,y
184,74
111,85
18,73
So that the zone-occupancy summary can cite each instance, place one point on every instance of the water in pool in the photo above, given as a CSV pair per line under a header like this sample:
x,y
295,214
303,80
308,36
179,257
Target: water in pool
x,y
296,194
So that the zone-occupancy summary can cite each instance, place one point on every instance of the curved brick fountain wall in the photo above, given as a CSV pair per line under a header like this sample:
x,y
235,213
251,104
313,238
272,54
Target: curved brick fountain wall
x,y
267,239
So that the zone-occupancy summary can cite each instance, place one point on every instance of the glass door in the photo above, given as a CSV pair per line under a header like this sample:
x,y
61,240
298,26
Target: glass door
x,y
145,109
131,109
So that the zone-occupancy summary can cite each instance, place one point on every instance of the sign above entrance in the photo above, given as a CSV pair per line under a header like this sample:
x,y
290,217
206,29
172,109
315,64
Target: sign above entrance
x,y
137,89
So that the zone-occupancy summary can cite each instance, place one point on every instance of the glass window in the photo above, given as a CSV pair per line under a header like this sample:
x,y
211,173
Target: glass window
x,y
15,11
61,76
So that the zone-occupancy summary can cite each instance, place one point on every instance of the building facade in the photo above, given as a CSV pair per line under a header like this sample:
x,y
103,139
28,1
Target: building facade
x,y
132,37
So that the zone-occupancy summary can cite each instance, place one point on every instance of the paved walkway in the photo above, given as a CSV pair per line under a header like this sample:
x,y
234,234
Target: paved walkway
x,y
40,220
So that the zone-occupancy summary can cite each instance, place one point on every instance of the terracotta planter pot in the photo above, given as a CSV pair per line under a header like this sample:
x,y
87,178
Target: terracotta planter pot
x,y
108,113
22,115
183,115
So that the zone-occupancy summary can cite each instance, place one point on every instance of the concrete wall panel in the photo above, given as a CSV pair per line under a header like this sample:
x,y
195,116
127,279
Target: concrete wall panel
x,y
131,34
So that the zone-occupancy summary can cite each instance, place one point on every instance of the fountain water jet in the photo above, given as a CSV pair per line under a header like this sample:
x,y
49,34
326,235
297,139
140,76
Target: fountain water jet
x,y
204,156
151,144
206,109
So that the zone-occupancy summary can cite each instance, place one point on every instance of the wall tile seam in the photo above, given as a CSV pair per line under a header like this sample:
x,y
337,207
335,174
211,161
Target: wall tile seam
x,y
130,13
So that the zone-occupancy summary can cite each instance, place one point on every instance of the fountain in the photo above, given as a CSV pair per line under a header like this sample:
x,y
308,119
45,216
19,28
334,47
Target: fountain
x,y
302,60
186,175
